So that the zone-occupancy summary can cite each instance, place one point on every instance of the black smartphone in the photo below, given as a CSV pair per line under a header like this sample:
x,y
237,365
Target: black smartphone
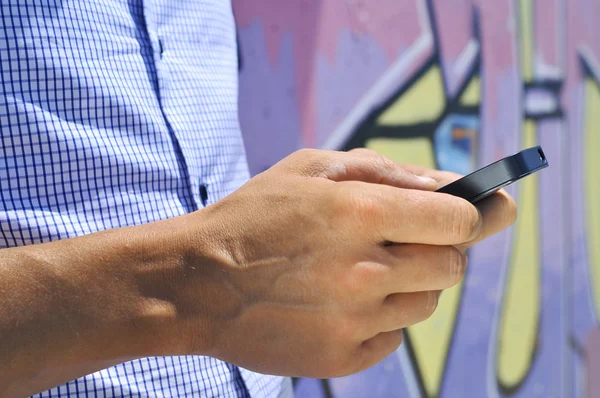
x,y
489,179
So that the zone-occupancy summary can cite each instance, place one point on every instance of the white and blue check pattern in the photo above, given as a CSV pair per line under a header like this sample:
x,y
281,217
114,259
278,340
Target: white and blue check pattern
x,y
117,113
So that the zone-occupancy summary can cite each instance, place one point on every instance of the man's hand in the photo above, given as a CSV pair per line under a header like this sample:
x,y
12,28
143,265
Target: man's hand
x,y
314,288
310,269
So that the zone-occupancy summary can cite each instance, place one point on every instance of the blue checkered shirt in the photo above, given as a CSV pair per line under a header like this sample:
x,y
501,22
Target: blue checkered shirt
x,y
117,113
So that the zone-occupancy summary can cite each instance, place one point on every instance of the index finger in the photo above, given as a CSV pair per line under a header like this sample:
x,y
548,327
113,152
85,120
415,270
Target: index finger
x,y
413,216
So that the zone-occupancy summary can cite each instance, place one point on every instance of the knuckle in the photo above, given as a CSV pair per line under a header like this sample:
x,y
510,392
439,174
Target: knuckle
x,y
377,160
325,164
368,274
359,282
312,162
366,208
349,206
305,153
300,156
431,304
383,163
387,163
465,223
304,160
457,265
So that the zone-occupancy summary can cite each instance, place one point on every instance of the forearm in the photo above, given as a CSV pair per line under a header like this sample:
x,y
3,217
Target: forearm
x,y
72,307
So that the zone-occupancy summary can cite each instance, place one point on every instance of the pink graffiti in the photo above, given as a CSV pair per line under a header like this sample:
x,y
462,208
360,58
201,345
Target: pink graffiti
x,y
315,27
547,34
501,68
456,42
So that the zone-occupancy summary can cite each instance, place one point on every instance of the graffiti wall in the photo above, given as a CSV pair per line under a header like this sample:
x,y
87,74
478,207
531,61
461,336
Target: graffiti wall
x,y
454,84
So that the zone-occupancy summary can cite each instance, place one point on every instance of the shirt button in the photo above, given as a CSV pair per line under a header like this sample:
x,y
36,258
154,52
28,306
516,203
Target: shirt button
x,y
203,194
160,48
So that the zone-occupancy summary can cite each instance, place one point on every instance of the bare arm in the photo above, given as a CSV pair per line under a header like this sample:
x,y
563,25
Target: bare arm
x,y
72,307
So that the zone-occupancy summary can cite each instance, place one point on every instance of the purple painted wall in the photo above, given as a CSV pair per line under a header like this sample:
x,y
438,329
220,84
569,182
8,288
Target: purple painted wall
x,y
455,83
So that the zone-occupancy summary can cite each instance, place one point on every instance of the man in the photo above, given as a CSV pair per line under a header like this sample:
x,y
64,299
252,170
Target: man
x,y
137,261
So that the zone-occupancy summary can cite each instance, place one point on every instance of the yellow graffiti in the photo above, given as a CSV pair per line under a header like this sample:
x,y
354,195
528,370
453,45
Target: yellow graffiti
x,y
423,102
592,183
430,339
410,151
472,94
521,310
526,34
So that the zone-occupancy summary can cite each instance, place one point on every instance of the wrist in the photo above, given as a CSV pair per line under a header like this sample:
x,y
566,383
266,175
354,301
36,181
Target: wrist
x,y
184,294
